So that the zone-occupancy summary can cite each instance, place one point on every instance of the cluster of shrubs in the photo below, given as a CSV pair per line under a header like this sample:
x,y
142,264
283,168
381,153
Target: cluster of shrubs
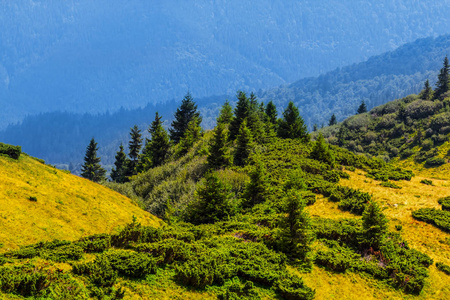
x,y
443,267
445,202
436,217
390,185
389,173
10,150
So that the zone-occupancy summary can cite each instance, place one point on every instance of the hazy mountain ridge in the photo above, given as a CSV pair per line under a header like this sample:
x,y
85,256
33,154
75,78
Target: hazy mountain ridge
x,y
85,56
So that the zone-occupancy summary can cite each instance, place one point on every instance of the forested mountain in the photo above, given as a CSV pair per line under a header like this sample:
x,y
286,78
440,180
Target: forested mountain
x,y
93,56
60,138
376,81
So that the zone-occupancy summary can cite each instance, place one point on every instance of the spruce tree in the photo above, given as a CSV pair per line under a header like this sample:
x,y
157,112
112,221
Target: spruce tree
x,y
427,93
271,112
191,135
322,152
362,108
374,225
134,147
256,120
211,201
292,125
226,114
244,145
119,172
333,120
159,145
240,113
219,155
315,127
442,85
184,114
256,190
296,235
91,169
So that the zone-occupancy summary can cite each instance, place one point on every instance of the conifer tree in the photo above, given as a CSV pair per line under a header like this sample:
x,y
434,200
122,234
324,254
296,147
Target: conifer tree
x,y
297,235
257,189
374,225
191,135
315,127
256,120
292,125
134,147
333,120
219,155
427,93
91,169
211,203
159,145
271,112
443,83
184,114
322,152
119,173
240,113
226,114
244,145
362,108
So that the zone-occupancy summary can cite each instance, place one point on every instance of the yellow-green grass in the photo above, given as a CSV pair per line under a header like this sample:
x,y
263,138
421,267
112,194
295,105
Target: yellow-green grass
x,y
66,207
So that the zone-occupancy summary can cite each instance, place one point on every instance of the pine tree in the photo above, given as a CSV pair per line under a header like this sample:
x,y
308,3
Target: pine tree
x,y
119,173
191,135
244,145
226,114
256,120
332,121
427,93
134,147
184,114
212,201
91,169
443,83
315,127
240,113
292,125
322,152
296,235
374,226
219,155
362,108
271,112
159,145
257,189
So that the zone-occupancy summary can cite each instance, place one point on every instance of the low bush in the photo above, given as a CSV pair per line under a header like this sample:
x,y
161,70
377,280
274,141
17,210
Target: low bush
x,y
386,174
26,280
435,162
95,243
58,251
443,267
10,150
292,288
439,218
130,263
445,202
237,291
426,181
390,185
99,272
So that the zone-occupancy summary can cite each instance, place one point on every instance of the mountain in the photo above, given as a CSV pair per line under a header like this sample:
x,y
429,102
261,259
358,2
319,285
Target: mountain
x,y
97,56
61,137
378,80
41,203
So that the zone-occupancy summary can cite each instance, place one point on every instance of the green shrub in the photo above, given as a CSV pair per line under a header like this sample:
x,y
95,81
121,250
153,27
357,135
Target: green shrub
x,y
435,162
237,291
292,288
390,185
99,272
26,280
95,243
426,181
130,263
445,202
32,198
58,251
386,174
338,259
398,227
11,151
168,251
439,218
443,267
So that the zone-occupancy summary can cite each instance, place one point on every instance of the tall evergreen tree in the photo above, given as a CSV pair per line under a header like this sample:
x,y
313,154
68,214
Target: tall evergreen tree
x,y
296,235
427,93
219,155
159,145
244,145
256,190
321,151
374,225
91,169
256,120
362,108
134,147
119,172
333,120
443,83
315,127
292,125
184,114
271,112
240,113
191,135
226,114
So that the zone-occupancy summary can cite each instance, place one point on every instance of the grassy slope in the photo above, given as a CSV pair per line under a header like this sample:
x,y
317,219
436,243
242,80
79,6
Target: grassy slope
x,y
398,205
68,207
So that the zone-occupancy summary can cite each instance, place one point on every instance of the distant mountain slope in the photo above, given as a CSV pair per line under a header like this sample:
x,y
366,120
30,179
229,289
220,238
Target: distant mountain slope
x,y
376,81
93,56
66,207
